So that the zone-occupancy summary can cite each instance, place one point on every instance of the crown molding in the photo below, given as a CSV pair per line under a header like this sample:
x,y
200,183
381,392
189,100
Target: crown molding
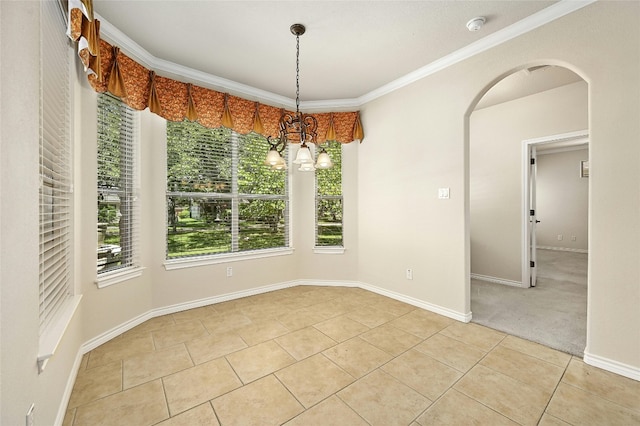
x,y
113,35
134,50
332,104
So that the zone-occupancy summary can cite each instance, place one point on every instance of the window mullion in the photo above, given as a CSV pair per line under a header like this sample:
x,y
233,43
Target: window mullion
x,y
329,201
235,211
125,195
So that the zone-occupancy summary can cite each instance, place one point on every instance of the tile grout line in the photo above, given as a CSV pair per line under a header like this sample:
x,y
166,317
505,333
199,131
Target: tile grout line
x,y
350,408
595,395
571,356
237,376
304,408
555,389
214,411
393,357
463,376
166,400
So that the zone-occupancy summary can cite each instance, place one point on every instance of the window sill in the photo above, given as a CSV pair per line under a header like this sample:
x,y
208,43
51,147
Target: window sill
x,y
190,262
329,250
118,276
52,336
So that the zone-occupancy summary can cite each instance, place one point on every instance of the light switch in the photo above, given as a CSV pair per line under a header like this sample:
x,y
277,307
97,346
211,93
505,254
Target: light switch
x,y
443,193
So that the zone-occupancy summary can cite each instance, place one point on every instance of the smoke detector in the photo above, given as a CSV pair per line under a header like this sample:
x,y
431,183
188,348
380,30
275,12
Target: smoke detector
x,y
476,23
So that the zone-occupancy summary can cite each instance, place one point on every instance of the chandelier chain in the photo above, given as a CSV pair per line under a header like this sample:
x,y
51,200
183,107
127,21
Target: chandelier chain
x,y
297,73
297,128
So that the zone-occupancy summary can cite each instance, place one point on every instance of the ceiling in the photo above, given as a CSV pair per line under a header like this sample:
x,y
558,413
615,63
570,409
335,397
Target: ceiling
x,y
350,48
527,82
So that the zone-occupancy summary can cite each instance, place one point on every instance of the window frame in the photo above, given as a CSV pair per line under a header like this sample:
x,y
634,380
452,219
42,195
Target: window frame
x,y
130,127
56,172
234,196
329,249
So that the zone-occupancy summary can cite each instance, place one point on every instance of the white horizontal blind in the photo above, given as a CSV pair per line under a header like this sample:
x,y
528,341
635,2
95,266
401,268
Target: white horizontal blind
x,y
329,202
221,197
118,206
55,165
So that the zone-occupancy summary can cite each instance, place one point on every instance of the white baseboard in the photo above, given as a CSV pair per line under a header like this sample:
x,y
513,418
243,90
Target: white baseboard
x,y
612,366
497,280
179,307
128,325
66,395
93,343
575,250
329,283
459,316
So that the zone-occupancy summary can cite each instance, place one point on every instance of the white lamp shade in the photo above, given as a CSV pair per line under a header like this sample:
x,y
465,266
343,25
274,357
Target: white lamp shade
x,y
303,156
280,165
307,167
324,161
273,157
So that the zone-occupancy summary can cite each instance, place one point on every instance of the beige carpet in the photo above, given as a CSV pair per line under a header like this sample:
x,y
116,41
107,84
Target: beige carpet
x,y
553,313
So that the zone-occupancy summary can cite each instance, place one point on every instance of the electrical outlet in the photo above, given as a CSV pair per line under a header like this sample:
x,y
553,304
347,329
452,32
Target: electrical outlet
x,y
409,274
560,237
229,271
30,420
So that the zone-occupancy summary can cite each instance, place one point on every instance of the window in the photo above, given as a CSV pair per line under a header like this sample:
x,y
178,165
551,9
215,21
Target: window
x,y
221,198
118,218
329,200
55,268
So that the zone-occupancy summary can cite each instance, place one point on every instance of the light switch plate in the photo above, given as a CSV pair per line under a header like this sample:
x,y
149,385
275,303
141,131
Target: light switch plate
x,y
443,193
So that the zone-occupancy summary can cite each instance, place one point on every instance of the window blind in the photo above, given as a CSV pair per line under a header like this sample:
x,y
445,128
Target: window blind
x,y
329,199
118,207
221,198
55,263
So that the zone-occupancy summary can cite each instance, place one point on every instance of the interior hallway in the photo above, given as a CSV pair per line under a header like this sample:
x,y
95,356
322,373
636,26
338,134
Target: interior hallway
x,y
553,313
336,356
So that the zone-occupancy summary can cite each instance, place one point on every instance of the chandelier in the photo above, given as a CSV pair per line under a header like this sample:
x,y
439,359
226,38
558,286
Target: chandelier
x,y
297,128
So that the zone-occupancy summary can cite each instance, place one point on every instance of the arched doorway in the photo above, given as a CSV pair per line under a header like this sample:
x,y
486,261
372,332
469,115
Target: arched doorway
x,y
534,102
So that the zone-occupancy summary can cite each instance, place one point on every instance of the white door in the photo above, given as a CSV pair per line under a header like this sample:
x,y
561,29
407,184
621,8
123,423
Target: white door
x,y
533,216
529,212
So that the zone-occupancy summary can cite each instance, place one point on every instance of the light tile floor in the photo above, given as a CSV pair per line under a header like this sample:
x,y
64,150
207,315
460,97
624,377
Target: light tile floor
x,y
337,356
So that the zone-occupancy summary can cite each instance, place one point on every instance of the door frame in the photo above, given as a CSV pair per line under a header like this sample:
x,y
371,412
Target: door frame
x,y
580,136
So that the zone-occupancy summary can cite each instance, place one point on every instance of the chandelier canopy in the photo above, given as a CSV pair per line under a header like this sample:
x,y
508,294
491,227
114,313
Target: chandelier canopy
x,y
297,128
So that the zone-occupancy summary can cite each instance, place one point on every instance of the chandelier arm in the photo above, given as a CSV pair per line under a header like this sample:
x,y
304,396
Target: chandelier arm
x,y
278,144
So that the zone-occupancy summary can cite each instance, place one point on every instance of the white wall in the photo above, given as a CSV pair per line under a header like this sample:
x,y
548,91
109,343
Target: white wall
x,y
421,132
495,175
562,200
20,383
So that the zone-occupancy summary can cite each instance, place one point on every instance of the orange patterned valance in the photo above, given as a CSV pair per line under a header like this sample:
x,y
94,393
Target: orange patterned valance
x,y
112,71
